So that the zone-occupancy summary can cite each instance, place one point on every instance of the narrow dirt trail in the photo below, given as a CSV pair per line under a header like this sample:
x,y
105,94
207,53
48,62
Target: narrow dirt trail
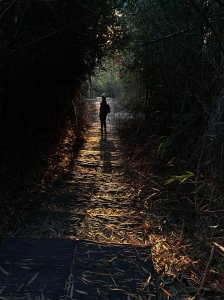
x,y
91,219
112,214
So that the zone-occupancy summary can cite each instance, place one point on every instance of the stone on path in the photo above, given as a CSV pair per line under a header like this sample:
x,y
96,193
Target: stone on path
x,y
86,240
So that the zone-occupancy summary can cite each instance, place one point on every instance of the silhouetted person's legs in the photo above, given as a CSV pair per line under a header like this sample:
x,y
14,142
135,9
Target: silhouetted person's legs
x,y
105,126
103,122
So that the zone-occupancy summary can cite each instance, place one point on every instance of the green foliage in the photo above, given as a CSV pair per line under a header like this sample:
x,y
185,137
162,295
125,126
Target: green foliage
x,y
180,178
173,63
107,78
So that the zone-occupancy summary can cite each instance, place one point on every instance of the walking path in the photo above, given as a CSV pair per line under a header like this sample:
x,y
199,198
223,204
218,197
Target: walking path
x,y
86,241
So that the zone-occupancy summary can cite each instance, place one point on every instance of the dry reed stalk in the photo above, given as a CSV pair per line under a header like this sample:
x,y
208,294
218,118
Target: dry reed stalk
x,y
181,233
220,248
211,146
206,271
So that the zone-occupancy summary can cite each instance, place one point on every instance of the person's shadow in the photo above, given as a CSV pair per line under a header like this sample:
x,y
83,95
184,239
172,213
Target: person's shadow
x,y
106,147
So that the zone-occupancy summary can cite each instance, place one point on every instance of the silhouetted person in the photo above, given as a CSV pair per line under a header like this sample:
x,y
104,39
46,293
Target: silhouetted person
x,y
104,110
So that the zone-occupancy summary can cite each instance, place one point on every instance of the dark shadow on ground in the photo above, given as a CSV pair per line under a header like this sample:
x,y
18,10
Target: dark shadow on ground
x,y
106,147
39,267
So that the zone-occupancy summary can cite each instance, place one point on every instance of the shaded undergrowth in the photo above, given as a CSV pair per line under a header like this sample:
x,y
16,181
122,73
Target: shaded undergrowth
x,y
183,214
25,178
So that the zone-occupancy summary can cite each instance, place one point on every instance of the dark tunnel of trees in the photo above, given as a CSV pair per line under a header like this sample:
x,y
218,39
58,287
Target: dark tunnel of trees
x,y
161,59
48,49
168,60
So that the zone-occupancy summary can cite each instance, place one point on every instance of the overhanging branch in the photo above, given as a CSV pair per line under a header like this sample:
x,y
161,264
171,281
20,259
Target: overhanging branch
x,y
168,36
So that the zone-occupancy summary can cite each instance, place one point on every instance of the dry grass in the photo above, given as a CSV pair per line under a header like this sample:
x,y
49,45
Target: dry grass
x,y
182,222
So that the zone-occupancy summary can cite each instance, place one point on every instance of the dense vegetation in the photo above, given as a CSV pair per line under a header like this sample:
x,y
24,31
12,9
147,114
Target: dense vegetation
x,y
172,69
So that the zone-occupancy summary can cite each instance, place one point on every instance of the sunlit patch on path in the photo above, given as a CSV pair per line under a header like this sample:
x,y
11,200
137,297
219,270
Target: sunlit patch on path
x,y
94,216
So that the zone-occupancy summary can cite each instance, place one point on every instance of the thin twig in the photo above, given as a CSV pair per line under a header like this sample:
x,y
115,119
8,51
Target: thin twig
x,y
7,8
181,233
207,270
168,36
